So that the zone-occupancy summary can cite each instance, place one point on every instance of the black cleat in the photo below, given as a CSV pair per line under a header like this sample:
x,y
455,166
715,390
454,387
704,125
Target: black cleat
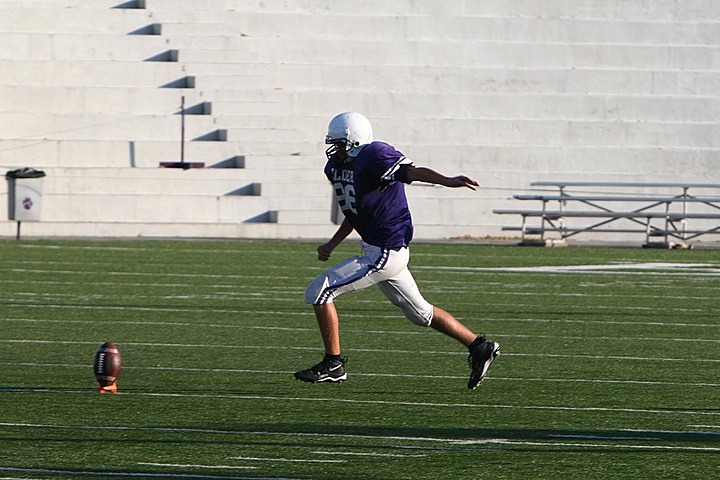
x,y
480,359
325,371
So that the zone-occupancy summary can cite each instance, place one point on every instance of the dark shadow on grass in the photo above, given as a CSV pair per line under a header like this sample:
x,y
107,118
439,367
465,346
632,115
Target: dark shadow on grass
x,y
470,434
370,437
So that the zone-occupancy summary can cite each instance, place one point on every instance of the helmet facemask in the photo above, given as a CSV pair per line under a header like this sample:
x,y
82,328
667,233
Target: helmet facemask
x,y
338,149
347,134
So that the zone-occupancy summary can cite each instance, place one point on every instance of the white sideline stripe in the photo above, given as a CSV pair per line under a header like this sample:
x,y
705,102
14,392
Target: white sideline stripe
x,y
360,315
601,437
286,460
295,292
374,332
122,474
443,287
439,405
230,432
653,268
674,432
551,271
165,309
239,467
33,303
377,332
382,402
591,445
156,274
649,268
621,266
238,250
23,478
379,375
283,289
372,350
363,454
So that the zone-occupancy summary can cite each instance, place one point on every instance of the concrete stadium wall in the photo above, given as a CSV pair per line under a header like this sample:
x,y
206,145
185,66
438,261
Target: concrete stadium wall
x,y
508,92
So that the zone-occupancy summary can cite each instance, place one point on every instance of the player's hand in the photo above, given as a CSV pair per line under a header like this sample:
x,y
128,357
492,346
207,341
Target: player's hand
x,y
324,251
462,181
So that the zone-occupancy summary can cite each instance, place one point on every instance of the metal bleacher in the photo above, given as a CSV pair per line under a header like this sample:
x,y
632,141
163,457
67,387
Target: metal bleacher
x,y
670,218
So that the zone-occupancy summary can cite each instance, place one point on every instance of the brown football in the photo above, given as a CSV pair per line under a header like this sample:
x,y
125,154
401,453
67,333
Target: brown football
x,y
107,364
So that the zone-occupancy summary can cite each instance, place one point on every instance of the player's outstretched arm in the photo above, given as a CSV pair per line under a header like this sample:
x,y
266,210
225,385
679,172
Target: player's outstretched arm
x,y
428,175
342,232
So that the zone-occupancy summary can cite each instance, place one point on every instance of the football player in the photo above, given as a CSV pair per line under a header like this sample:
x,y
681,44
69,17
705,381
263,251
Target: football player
x,y
369,178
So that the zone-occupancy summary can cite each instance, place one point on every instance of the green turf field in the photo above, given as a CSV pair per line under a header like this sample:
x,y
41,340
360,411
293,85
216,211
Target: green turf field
x,y
610,365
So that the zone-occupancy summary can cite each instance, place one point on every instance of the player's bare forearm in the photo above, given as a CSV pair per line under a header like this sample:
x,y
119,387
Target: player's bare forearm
x,y
428,175
325,250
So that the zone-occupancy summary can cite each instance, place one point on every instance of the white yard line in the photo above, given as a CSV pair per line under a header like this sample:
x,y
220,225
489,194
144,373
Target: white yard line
x,y
376,375
441,405
610,446
182,465
366,350
243,326
104,473
643,268
308,312
366,454
285,460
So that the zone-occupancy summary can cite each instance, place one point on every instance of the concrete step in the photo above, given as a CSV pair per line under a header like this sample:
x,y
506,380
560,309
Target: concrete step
x,y
151,208
207,181
454,53
99,228
480,161
113,153
443,27
43,152
50,17
313,6
99,100
462,79
73,4
163,208
65,46
662,10
88,73
220,82
282,103
476,131
319,216
259,162
37,125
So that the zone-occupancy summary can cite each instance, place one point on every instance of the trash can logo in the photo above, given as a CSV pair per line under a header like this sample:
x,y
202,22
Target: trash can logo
x,y
27,203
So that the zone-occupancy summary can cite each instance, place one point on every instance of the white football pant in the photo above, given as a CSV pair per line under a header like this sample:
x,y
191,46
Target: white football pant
x,y
384,267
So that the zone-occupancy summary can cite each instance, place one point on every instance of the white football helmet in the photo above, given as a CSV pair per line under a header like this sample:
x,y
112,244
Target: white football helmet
x,y
348,133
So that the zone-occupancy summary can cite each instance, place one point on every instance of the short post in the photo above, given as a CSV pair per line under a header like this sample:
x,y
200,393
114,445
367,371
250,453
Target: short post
x,y
182,132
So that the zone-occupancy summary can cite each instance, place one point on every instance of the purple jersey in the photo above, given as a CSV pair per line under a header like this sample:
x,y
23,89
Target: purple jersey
x,y
371,194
